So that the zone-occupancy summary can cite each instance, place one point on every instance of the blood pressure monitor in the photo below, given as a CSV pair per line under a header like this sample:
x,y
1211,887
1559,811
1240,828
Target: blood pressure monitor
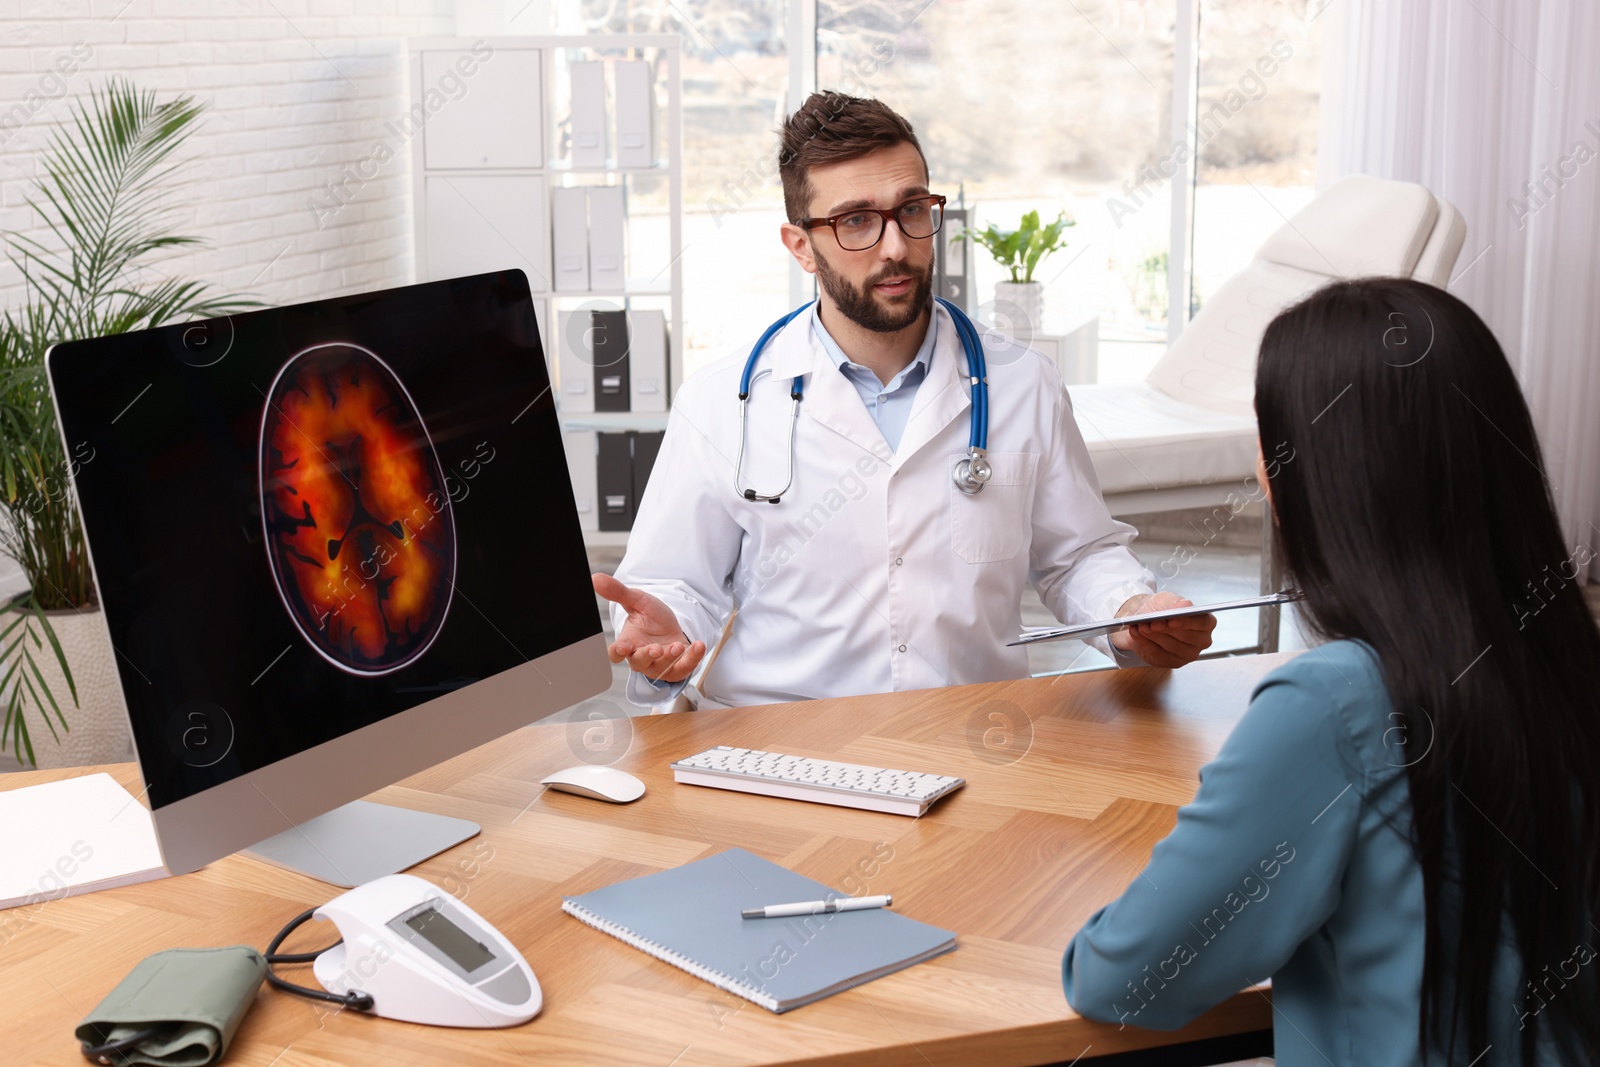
x,y
425,957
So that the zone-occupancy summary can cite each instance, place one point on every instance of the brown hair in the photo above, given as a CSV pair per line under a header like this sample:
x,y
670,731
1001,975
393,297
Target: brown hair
x,y
832,128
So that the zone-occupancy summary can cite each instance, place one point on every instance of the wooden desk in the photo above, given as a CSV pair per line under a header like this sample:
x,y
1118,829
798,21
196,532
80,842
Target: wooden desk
x,y
1049,827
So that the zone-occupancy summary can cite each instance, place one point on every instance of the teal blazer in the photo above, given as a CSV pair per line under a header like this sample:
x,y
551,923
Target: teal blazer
x,y
1293,862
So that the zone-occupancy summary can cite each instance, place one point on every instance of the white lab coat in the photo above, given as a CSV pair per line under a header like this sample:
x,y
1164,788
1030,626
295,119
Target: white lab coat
x,y
874,573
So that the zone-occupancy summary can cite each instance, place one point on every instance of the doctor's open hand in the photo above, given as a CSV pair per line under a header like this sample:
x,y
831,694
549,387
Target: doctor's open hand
x,y
650,640
1166,642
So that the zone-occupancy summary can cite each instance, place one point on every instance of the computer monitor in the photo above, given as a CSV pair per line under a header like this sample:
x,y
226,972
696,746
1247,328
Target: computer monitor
x,y
334,544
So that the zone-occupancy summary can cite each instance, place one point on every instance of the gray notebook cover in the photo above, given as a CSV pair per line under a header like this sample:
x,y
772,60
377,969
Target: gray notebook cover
x,y
689,917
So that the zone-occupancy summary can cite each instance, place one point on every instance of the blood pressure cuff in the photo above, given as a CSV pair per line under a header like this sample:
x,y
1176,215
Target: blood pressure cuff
x,y
189,1001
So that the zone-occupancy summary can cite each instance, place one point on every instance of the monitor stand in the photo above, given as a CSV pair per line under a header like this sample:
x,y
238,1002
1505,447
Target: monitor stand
x,y
360,841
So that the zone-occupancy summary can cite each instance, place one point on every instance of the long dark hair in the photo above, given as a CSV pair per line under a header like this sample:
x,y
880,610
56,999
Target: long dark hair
x,y
1416,516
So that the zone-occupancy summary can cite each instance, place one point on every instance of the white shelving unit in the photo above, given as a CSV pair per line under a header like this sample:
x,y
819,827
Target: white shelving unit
x,y
492,149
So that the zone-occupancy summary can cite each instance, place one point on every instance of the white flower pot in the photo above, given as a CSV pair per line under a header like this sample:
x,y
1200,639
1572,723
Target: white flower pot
x,y
98,726
1019,309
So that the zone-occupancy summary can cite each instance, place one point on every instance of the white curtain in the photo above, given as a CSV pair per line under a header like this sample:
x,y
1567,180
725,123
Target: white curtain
x,y
1495,106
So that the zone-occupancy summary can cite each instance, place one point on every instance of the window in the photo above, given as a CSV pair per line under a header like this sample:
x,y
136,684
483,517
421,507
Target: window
x,y
1256,122
1020,105
1027,105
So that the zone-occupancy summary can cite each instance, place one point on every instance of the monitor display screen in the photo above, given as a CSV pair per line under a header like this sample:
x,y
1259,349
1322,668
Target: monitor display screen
x,y
306,519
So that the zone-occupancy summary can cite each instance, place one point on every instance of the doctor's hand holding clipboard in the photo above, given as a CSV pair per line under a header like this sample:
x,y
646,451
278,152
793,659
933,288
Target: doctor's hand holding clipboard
x,y
1165,642
651,640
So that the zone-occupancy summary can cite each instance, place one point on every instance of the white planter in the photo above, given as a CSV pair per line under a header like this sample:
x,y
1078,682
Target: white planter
x,y
98,727
1019,309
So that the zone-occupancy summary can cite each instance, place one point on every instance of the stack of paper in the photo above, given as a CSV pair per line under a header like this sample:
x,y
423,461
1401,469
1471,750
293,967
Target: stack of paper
x,y
73,836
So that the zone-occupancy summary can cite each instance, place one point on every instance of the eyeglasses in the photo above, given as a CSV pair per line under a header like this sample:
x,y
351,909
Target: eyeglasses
x,y
861,228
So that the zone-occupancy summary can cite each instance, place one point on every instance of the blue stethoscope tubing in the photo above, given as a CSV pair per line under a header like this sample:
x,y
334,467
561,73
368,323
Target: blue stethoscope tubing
x,y
970,472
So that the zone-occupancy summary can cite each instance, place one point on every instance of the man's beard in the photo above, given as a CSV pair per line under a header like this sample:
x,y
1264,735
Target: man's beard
x,y
861,307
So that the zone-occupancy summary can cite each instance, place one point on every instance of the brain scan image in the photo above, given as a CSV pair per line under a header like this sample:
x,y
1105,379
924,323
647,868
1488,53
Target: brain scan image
x,y
360,534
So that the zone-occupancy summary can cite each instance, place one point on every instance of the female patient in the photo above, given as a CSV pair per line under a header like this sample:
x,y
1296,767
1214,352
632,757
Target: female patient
x,y
1403,831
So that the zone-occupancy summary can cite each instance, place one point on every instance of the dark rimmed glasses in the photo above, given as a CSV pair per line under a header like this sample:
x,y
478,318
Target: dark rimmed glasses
x,y
861,228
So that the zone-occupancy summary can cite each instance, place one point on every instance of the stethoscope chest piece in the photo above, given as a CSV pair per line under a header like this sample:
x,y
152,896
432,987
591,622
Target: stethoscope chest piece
x,y
972,472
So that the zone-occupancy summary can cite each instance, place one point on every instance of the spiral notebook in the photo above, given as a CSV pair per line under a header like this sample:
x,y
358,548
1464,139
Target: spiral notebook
x,y
689,917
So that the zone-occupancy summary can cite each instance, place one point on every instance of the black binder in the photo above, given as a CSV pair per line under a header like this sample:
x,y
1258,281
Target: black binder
x,y
646,446
611,383
614,481
624,464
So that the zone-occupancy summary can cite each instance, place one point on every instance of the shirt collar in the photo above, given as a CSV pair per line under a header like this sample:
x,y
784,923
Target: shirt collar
x,y
919,363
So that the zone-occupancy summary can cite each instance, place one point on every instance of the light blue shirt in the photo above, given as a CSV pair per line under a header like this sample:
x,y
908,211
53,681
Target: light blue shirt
x,y
888,404
1294,862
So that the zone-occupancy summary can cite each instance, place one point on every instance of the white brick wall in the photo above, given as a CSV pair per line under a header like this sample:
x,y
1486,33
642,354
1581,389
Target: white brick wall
x,y
297,90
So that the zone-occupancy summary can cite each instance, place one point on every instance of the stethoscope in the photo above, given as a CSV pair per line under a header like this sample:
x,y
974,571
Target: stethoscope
x,y
969,473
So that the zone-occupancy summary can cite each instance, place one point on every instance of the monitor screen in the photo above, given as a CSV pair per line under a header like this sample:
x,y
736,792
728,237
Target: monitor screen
x,y
307,519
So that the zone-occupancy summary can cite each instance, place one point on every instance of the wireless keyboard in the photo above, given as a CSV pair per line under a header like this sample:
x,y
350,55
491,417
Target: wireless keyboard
x,y
848,785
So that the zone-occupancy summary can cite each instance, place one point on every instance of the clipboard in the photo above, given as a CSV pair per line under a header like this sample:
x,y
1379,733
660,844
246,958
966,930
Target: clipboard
x,y
1111,626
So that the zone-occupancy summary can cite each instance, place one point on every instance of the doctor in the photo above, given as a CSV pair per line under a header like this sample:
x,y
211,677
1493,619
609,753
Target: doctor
x,y
873,571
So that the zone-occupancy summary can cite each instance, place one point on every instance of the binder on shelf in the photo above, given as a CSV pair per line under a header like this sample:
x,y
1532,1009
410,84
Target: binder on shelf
x,y
580,447
636,114
609,343
607,230
569,211
541,328
588,113
614,481
575,361
618,468
647,361
953,273
646,446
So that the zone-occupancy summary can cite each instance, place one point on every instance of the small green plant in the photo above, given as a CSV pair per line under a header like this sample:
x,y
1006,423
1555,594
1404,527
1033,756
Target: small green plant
x,y
1021,250
105,199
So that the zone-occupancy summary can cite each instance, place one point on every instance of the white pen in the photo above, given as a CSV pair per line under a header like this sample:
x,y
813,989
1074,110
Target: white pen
x,y
817,907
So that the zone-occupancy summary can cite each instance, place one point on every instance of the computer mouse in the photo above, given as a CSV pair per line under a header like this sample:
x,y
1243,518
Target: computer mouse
x,y
600,783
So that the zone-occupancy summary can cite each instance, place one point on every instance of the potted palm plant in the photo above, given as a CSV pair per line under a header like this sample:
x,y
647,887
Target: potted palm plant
x,y
1020,251
105,198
